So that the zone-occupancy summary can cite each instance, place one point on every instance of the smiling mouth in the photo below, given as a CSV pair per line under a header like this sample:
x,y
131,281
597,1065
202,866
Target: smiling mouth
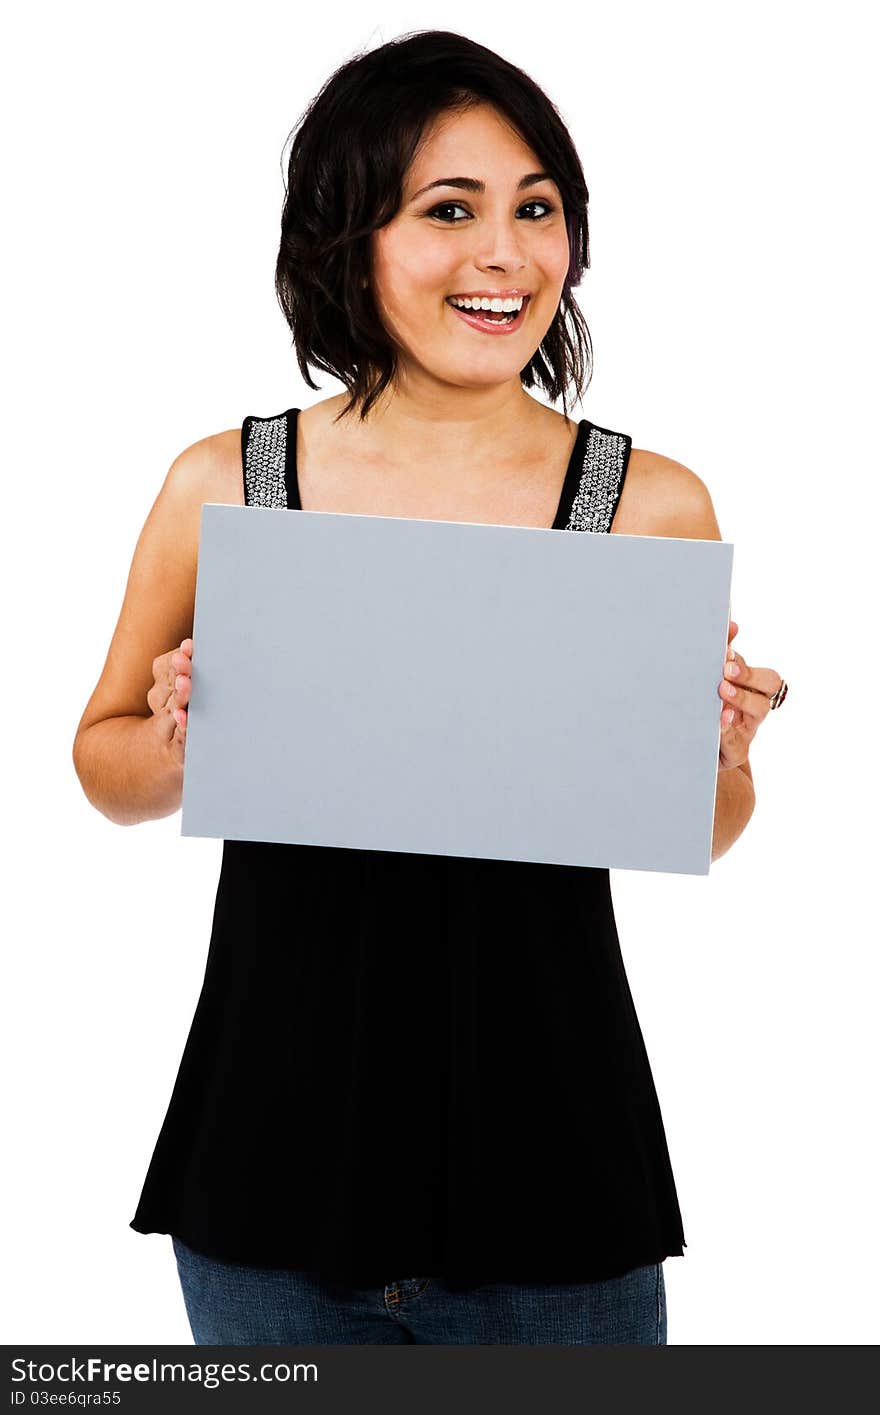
x,y
492,322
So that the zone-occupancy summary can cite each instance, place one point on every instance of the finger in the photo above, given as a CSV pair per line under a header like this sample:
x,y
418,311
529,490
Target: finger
x,y
734,665
177,707
751,705
161,704
180,668
181,681
163,715
172,704
765,681
157,697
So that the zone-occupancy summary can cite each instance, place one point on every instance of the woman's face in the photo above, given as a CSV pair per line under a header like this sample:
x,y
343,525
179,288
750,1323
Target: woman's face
x,y
450,241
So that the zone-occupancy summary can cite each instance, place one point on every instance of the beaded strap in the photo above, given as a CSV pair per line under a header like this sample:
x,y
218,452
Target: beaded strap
x,y
597,494
264,459
592,509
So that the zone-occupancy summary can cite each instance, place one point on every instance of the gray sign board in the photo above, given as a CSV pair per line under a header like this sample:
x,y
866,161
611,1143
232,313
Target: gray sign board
x,y
452,688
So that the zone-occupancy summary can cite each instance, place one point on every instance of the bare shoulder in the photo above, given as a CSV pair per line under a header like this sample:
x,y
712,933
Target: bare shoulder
x,y
662,497
158,606
212,468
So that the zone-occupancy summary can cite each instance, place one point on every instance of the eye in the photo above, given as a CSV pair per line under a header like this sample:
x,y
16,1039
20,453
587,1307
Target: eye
x,y
539,201
455,205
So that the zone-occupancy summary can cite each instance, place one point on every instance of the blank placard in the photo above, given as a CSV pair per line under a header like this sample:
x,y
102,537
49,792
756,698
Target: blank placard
x,y
447,688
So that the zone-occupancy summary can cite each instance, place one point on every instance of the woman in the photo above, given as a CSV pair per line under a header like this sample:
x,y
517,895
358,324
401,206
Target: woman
x,y
415,1104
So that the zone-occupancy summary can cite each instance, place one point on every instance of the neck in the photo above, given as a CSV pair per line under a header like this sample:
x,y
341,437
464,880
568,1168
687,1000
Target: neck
x,y
448,422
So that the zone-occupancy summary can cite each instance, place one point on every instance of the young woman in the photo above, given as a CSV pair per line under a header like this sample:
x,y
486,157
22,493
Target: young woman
x,y
415,1103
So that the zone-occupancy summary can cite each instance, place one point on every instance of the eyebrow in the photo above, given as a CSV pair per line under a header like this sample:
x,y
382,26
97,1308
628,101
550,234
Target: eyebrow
x,y
471,184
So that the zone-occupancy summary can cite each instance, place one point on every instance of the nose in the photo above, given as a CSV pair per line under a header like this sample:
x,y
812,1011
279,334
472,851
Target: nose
x,y
499,246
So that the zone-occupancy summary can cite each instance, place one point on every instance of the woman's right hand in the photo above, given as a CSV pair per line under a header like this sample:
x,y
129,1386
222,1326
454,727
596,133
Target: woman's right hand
x,y
170,694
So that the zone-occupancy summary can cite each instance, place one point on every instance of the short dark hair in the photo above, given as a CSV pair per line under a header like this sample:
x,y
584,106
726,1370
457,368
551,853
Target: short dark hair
x,y
351,150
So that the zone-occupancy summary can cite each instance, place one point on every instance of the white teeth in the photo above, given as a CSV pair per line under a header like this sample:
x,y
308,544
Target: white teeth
x,y
497,306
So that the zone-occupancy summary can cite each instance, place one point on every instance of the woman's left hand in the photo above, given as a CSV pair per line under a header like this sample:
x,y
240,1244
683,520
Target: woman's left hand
x,y
748,705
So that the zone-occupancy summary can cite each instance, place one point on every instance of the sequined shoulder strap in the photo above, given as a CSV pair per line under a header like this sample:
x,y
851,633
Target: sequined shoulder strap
x,y
606,459
264,459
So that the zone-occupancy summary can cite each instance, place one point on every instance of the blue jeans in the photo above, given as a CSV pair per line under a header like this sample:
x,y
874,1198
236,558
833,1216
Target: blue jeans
x,y
231,1305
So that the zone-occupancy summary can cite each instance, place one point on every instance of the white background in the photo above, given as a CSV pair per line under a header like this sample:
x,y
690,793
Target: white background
x,y
732,304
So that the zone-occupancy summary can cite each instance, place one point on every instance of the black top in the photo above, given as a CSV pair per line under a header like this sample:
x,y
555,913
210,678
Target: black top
x,y
406,1065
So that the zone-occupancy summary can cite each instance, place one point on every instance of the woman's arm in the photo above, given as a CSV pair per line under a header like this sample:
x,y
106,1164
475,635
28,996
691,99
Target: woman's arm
x,y
126,770
124,764
734,803
684,509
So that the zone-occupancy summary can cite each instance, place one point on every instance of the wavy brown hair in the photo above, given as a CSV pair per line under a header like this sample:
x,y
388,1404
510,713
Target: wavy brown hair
x,y
350,153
